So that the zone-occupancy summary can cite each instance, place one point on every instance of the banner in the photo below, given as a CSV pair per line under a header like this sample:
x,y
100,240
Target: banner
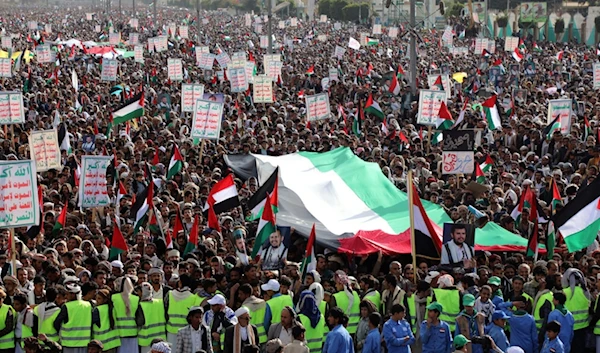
x,y
114,38
138,54
19,204
11,108
109,70
446,83
92,183
596,75
333,74
263,89
429,106
533,12
223,59
175,69
250,71
207,119
43,54
184,32
5,67
190,93
237,78
134,38
7,42
458,156
206,61
44,150
562,108
317,107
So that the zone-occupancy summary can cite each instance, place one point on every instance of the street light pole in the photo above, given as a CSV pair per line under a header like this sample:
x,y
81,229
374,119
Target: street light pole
x,y
270,27
413,48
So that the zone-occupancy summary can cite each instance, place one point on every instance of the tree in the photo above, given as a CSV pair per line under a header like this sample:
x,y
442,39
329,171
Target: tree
x,y
335,12
350,12
454,10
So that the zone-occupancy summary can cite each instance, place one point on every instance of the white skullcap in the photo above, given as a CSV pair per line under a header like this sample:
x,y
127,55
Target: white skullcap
x,y
241,311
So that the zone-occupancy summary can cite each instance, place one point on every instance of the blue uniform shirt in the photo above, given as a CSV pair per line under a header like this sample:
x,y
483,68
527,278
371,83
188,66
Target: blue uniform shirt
x,y
436,339
567,322
394,334
338,341
498,335
372,342
554,346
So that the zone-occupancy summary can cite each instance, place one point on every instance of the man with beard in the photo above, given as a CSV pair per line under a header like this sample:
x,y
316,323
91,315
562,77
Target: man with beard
x,y
159,291
456,252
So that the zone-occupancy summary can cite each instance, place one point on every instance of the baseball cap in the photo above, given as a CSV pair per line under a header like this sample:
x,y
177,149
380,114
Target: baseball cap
x,y
217,300
435,306
460,341
494,281
499,314
272,284
468,300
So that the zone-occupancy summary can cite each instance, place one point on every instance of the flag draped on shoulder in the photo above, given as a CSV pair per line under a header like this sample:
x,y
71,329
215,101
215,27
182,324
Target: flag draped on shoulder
x,y
132,109
257,201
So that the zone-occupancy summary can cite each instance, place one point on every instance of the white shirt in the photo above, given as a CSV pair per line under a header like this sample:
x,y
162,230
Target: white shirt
x,y
286,336
244,333
196,339
457,254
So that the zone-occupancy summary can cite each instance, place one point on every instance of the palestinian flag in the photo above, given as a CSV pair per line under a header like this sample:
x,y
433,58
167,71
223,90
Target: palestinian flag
x,y
400,73
491,113
223,196
192,243
310,70
536,48
438,85
428,235
256,203
143,203
550,128
394,86
556,198
461,115
309,263
522,46
118,244
63,139
372,41
373,108
479,175
177,224
266,226
132,109
587,131
487,164
485,53
532,244
444,122
176,163
550,239
156,158
60,221
120,193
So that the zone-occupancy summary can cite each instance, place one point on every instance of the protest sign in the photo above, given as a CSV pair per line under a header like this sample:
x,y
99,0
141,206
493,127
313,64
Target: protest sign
x,y
109,70
151,45
44,150
263,89
32,25
172,30
325,83
264,42
161,44
43,53
206,61
133,22
248,20
393,32
5,67
89,16
480,44
429,106
19,204
92,183
562,108
317,107
339,52
184,32
333,74
596,73
223,59
273,69
250,71
207,119
189,94
11,108
446,84
138,53
294,22
271,57
323,18
281,25
175,69
48,28
134,38
458,152
337,26
491,46
237,78
238,59
258,28
7,42
376,28
97,28
114,38
322,38
205,21
511,43
199,52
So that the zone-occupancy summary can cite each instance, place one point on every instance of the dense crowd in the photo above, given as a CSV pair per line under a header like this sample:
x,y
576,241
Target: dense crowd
x,y
67,293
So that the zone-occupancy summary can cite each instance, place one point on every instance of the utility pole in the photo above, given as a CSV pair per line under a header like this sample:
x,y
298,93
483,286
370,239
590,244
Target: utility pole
x,y
413,49
270,27
198,19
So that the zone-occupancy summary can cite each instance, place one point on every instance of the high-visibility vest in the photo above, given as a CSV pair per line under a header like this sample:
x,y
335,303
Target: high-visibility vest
x,y
597,327
178,311
26,332
548,296
109,337
450,301
154,322
323,310
47,326
277,304
257,318
7,341
578,305
77,332
412,310
341,300
313,336
375,298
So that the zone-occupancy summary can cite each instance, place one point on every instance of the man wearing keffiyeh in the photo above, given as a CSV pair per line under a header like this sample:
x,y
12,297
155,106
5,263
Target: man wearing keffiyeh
x,y
347,300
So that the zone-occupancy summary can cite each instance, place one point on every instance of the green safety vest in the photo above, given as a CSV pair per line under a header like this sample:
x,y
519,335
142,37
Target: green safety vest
x,y
109,337
548,296
375,298
412,311
313,336
47,326
77,332
26,332
341,300
323,310
257,318
154,322
579,306
277,304
7,341
178,311
597,327
450,301
124,323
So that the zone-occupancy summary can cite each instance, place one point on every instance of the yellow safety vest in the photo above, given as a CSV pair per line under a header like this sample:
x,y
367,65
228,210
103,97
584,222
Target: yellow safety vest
x,y
375,298
579,306
450,301
276,305
412,310
548,296
178,311
258,320
154,322
77,332
597,327
7,341
323,309
47,326
26,332
341,300
124,323
313,336
109,337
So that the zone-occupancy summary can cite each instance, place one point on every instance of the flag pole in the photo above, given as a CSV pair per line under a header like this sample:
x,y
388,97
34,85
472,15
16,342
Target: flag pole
x,y
13,253
411,211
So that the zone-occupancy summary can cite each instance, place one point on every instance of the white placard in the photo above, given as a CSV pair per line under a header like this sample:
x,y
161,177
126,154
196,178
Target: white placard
x,y
138,53
237,78
596,75
323,19
43,53
134,38
458,162
376,29
445,82
562,108
92,183
207,120
294,22
273,69
264,42
48,28
317,107
19,204
263,89
97,28
223,59
184,32
109,70
7,42
5,67
175,69
114,38
393,32
333,74
44,150
190,93
250,71
206,61
511,43
281,25
429,106
11,108
339,52
134,23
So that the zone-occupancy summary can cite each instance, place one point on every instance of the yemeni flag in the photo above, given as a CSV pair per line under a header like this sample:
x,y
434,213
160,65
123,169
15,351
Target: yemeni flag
x,y
223,196
428,235
487,164
256,203
266,226
517,55
479,175
491,113
141,206
132,109
394,86
176,163
60,221
559,55
309,263
118,244
372,107
553,126
579,223
192,243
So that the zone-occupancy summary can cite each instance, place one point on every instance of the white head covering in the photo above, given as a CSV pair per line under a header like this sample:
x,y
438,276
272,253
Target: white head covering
x,y
241,311
125,287
162,347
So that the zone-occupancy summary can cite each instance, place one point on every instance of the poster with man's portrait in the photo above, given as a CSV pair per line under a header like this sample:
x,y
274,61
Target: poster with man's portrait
x,y
239,242
273,252
458,248
520,95
461,232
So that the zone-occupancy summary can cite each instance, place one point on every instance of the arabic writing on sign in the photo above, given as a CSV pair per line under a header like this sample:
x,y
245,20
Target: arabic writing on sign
x,y
138,53
134,38
11,108
264,41
429,106
273,69
317,107
207,119
5,67
92,185
263,89
43,53
190,93
458,140
7,42
563,109
223,59
237,78
18,194
596,75
457,162
184,32
333,74
109,70
339,52
114,38
44,150
175,69
206,61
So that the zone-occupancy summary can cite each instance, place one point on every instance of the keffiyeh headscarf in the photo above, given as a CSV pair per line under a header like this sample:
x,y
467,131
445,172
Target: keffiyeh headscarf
x,y
146,292
124,286
319,292
573,278
307,306
342,278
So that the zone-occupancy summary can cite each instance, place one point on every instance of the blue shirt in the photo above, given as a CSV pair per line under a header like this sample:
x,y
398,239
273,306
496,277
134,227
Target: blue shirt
x,y
373,342
269,314
338,341
394,334
498,335
436,339
554,346
567,322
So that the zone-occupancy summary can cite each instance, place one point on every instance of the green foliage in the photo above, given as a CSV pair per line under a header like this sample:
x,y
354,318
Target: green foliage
x,y
325,8
559,26
349,12
454,10
502,21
